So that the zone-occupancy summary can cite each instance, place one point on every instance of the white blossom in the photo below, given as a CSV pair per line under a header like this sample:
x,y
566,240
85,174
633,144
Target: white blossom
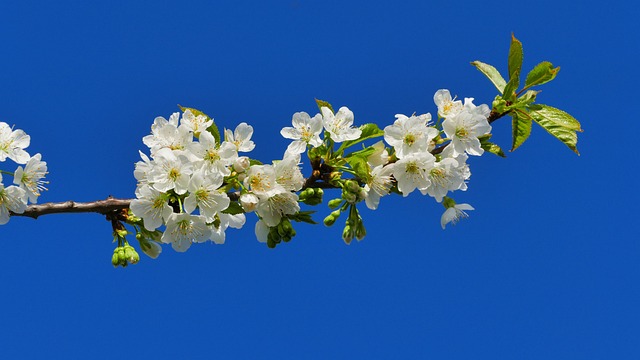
x,y
446,105
412,171
378,185
152,206
288,173
13,143
30,178
195,124
213,158
305,130
13,199
445,176
339,124
241,137
272,209
454,214
206,196
463,129
410,134
261,180
170,172
183,229
249,202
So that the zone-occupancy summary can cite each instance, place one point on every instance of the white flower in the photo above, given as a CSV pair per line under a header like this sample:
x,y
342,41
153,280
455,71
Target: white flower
x,y
446,105
226,220
410,134
13,199
463,167
262,231
30,178
167,135
241,137
454,214
445,176
288,173
241,164
171,172
463,129
13,143
196,124
378,186
142,169
261,180
151,205
478,110
380,156
249,202
213,158
205,195
305,130
339,125
412,171
272,209
183,229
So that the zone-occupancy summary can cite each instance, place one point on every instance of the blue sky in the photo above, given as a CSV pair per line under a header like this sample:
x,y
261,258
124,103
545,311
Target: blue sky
x,y
546,267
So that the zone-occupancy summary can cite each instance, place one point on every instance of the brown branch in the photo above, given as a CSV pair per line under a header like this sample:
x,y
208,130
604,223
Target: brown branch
x,y
111,205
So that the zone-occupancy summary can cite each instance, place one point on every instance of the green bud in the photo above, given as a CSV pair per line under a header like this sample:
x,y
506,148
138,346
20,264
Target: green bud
x,y
448,202
273,237
318,192
361,232
347,234
115,260
329,220
270,243
122,232
352,186
334,178
349,197
333,204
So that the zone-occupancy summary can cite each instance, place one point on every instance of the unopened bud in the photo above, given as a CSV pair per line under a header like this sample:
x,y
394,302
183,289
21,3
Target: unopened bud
x,y
335,203
361,232
347,234
249,202
241,164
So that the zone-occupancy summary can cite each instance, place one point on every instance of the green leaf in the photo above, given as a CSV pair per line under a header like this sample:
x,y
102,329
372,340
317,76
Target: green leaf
x,y
369,131
557,116
489,146
360,166
233,209
213,129
322,103
540,74
510,89
521,127
492,74
302,216
515,57
559,124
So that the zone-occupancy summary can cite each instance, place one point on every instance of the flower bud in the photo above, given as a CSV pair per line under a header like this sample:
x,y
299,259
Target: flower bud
x,y
241,164
347,234
335,203
249,202
361,232
115,259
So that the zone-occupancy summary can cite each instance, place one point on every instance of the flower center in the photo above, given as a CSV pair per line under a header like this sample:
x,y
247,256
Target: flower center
x,y
409,139
462,132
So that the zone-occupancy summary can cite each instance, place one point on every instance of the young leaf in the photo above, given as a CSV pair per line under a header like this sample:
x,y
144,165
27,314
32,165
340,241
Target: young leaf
x,y
559,124
515,57
233,209
360,166
213,129
510,89
521,127
490,147
322,103
492,74
302,216
540,74
557,116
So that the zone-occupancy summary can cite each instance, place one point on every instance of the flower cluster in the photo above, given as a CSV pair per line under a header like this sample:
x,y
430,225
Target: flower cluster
x,y
28,181
183,184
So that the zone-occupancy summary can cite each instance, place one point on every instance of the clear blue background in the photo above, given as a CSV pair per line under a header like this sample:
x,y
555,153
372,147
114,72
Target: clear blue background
x,y
546,267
